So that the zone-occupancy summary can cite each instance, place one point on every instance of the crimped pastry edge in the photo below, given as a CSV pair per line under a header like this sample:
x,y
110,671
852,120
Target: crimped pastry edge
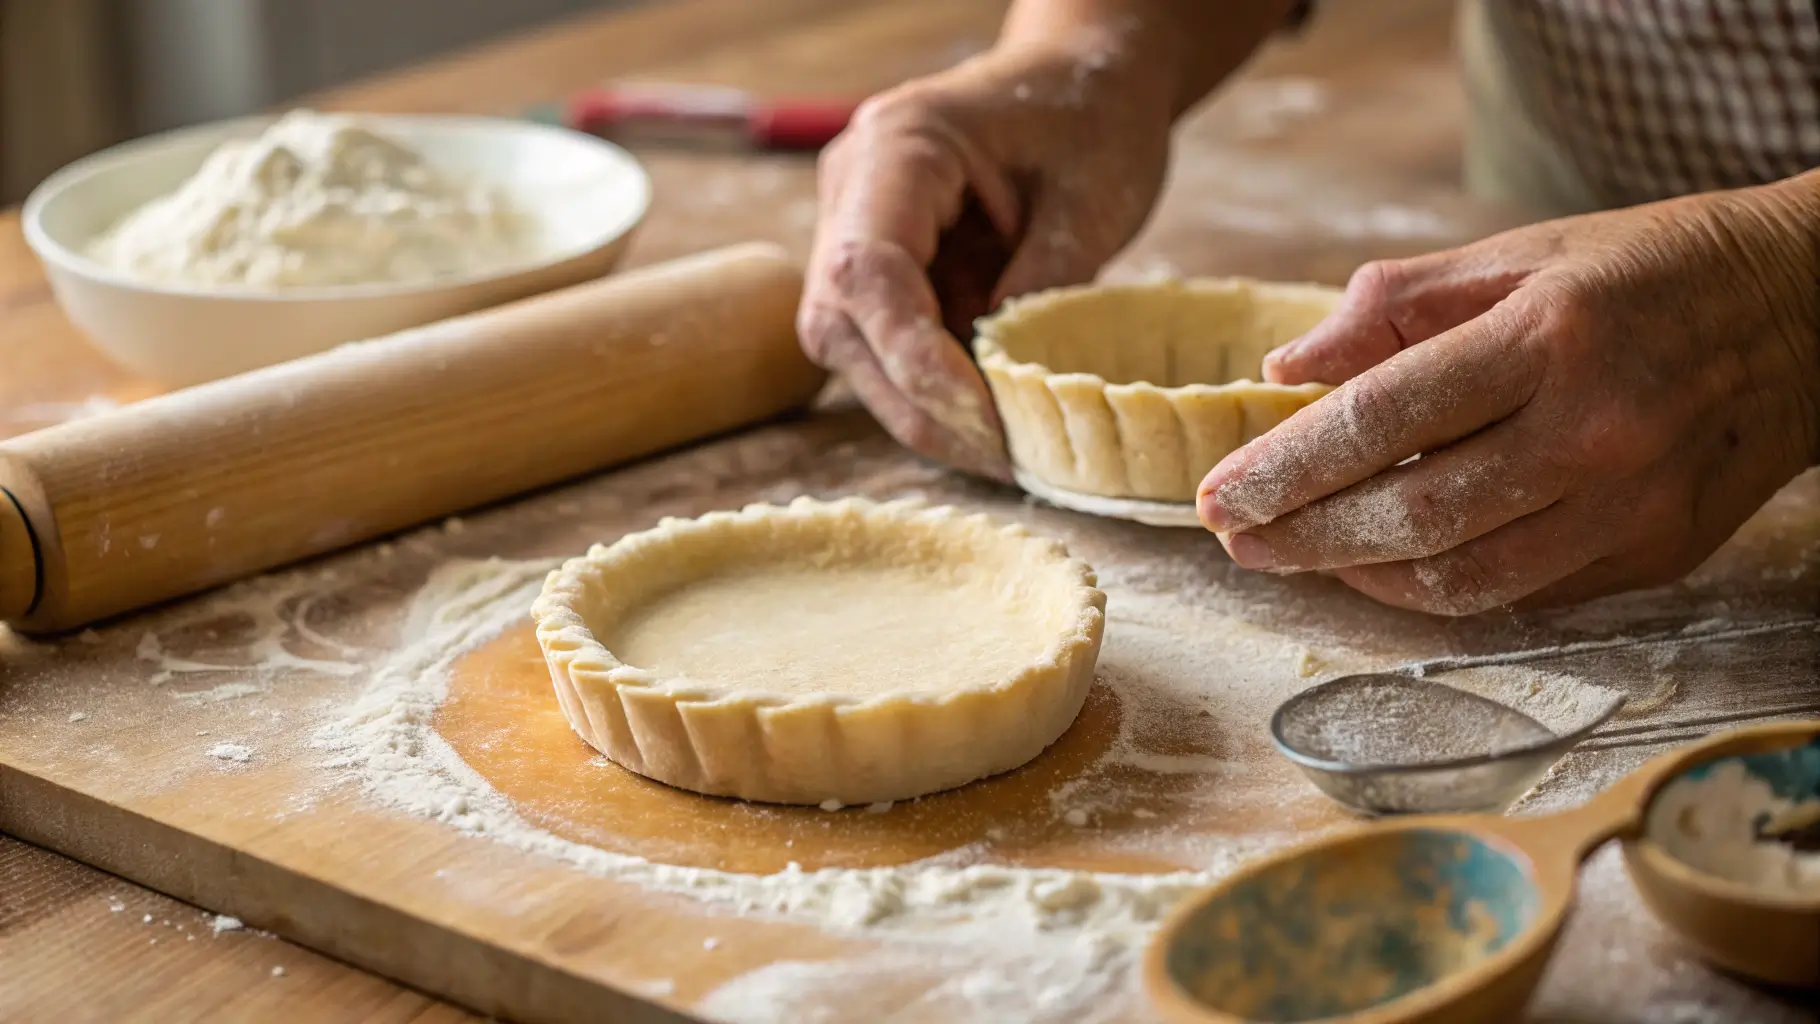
x,y
1076,431
808,749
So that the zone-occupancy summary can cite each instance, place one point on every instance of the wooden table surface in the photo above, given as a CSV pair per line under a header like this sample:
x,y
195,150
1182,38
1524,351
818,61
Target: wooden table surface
x,y
1330,150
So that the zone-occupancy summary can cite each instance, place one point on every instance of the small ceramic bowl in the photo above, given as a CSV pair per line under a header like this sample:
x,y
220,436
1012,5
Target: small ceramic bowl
x,y
1392,924
585,195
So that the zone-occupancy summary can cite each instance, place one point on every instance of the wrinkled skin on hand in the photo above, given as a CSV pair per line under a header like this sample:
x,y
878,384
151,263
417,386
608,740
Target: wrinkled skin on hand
x,y
1598,403
1007,174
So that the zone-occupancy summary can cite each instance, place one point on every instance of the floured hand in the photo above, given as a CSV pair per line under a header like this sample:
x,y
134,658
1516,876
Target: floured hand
x,y
1597,402
1013,172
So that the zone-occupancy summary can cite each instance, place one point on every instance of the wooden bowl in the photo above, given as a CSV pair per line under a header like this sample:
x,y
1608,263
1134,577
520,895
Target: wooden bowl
x,y
1451,919
1384,924
1766,936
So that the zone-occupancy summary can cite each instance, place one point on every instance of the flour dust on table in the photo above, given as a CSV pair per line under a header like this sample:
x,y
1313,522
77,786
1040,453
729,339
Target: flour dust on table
x,y
387,743
987,938
1033,913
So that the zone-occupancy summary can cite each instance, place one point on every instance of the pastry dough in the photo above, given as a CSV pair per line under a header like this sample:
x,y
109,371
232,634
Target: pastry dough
x,y
1138,390
847,651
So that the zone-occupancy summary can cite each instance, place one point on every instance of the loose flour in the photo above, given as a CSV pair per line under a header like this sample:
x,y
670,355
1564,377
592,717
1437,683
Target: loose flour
x,y
387,743
317,200
973,939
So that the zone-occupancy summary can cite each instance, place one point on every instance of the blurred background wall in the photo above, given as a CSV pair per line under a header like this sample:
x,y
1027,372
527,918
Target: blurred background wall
x,y
77,75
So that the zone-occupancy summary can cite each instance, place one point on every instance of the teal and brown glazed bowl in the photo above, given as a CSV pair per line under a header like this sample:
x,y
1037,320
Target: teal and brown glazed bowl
x,y
1373,927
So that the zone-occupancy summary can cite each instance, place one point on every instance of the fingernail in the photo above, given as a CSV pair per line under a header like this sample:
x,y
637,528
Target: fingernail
x,y
1275,358
1212,514
1251,552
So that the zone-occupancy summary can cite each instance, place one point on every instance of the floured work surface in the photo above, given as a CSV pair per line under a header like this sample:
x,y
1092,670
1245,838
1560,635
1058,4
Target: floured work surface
x,y
376,767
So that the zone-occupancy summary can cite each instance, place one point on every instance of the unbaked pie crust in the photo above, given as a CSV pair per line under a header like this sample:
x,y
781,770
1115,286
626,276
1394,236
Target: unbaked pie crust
x,y
845,651
1138,390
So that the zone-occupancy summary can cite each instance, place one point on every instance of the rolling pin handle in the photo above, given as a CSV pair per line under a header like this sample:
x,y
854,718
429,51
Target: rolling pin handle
x,y
21,566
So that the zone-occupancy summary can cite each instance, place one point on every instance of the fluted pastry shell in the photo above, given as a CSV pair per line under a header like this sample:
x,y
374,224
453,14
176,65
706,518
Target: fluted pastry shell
x,y
1138,390
850,650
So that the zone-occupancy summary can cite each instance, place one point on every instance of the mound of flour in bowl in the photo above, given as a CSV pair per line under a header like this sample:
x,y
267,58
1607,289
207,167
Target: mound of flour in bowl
x,y
316,200
1714,821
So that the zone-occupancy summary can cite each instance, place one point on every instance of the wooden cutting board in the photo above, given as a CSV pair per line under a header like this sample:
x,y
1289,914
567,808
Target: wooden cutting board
x,y
106,741
1329,151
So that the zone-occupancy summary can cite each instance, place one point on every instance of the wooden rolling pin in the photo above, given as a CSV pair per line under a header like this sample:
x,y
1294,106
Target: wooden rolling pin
x,y
198,487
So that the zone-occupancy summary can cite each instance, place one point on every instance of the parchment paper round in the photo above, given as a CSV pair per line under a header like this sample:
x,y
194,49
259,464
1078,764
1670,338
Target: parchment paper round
x,y
1150,513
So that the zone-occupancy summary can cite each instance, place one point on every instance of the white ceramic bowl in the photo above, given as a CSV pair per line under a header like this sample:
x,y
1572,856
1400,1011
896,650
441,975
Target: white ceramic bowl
x,y
586,195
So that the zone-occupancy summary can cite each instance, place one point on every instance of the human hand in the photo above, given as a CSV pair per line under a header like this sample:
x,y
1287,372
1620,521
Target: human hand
x,y
1597,402
1019,170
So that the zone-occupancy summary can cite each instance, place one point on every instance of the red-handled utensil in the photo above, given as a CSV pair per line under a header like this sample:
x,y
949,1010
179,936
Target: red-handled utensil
x,y
699,114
